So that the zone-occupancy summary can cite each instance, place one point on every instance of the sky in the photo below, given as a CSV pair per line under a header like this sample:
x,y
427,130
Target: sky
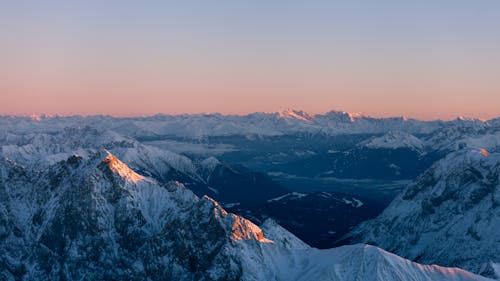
x,y
424,59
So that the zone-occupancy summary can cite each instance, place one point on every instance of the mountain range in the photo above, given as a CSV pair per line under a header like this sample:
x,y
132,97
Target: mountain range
x,y
259,124
93,218
180,197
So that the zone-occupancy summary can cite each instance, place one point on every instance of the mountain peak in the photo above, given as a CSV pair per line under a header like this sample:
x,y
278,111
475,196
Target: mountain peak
x,y
355,115
295,114
393,140
44,116
344,116
121,168
243,229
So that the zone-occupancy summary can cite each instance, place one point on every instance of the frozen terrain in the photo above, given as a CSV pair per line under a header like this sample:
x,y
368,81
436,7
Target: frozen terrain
x,y
93,218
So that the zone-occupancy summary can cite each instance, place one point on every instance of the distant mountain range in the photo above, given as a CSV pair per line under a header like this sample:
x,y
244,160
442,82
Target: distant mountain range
x,y
260,124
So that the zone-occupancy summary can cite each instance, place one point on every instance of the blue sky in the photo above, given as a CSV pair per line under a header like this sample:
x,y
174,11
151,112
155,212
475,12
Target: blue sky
x,y
425,59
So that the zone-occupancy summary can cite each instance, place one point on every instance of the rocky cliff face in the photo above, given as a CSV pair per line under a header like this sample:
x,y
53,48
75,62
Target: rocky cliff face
x,y
98,220
93,218
449,216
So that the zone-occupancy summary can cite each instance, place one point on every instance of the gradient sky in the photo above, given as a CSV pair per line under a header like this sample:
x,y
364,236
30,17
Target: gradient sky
x,y
425,59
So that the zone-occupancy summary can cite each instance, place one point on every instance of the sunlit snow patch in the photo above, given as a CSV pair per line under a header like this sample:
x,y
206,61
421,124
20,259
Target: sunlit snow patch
x,y
120,168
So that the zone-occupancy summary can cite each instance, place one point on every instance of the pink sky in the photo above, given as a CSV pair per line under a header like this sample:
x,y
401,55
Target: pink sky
x,y
126,88
429,60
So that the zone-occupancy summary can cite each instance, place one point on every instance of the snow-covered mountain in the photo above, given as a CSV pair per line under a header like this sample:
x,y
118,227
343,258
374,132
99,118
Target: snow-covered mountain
x,y
41,149
263,124
204,177
93,218
455,134
42,153
296,115
450,215
394,140
452,139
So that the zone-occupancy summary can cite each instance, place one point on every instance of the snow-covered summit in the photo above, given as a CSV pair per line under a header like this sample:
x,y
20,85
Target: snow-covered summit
x,y
295,114
121,169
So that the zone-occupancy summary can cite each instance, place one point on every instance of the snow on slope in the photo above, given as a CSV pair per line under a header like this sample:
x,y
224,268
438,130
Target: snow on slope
x,y
356,203
394,140
89,218
201,125
363,262
282,237
295,114
44,149
264,124
488,141
451,137
449,216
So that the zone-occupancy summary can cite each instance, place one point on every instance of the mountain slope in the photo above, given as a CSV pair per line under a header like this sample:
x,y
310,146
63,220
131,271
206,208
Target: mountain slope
x,y
93,218
221,181
96,219
394,140
449,216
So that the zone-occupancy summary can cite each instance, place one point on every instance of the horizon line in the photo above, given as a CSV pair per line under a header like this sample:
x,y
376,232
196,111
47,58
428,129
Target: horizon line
x,y
351,114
